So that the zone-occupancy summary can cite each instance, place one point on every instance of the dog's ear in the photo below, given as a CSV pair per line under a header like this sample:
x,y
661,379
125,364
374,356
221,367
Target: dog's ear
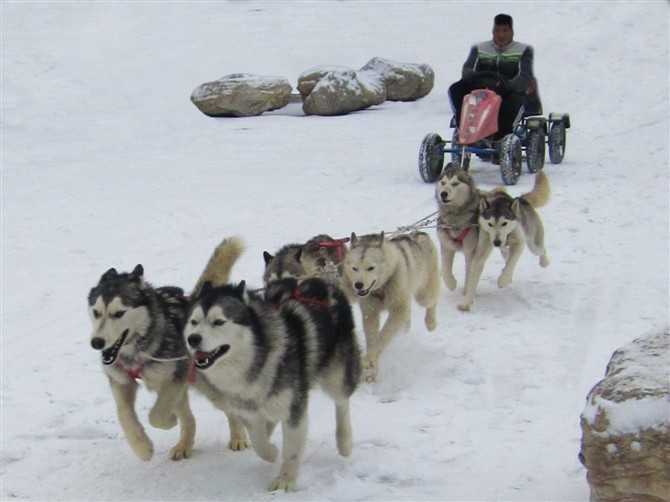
x,y
267,257
109,274
236,310
381,239
483,204
353,239
298,255
516,207
138,271
240,288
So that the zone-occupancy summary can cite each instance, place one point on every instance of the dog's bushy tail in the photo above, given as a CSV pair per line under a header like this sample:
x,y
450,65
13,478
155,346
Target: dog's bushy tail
x,y
541,192
221,263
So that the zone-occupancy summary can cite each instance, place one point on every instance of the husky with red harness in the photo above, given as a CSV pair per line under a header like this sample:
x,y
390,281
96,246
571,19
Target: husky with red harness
x,y
458,202
138,330
321,256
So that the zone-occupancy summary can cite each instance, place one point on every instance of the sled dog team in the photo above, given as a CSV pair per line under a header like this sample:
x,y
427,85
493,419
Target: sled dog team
x,y
257,354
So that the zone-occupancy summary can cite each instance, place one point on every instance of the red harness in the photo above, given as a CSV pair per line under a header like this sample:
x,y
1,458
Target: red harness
x,y
460,237
306,300
338,244
133,373
192,375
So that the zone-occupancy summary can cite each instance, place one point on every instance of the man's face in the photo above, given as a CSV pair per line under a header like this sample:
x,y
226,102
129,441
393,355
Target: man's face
x,y
502,34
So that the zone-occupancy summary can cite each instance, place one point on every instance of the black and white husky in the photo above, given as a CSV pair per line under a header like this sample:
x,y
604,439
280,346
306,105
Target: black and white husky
x,y
264,356
139,330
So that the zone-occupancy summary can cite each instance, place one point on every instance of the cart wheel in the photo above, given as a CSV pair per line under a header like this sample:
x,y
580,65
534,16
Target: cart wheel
x,y
535,151
456,157
510,159
556,142
431,157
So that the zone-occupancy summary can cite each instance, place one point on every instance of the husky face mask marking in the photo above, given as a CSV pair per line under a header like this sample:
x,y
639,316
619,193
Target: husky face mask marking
x,y
216,330
117,312
497,219
453,188
365,263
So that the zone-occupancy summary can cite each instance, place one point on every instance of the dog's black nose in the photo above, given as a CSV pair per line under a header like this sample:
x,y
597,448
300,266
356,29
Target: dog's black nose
x,y
444,196
358,285
194,340
97,343
497,243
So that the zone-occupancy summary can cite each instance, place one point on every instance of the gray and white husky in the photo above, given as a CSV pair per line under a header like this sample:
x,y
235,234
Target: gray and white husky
x,y
264,356
457,226
507,222
321,256
385,275
139,330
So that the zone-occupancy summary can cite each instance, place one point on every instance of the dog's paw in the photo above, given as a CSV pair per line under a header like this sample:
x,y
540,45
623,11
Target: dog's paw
x,y
282,482
450,282
182,450
344,445
238,444
430,321
504,280
465,307
162,420
143,448
544,261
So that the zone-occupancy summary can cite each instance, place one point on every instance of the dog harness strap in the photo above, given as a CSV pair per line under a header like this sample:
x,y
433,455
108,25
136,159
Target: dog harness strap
x,y
460,237
133,373
338,244
192,373
305,300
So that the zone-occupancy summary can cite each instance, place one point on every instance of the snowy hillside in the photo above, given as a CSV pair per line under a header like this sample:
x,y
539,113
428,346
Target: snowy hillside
x,y
106,162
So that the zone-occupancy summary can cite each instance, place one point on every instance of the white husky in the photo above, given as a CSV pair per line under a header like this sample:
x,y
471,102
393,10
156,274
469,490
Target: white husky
x,y
384,275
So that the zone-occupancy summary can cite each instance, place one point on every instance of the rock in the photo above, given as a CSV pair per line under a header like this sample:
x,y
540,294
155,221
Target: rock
x,y
373,86
308,79
241,95
626,425
404,81
338,93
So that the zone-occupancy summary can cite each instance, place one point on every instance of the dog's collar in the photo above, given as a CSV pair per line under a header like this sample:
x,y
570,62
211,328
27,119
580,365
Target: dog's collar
x,y
460,237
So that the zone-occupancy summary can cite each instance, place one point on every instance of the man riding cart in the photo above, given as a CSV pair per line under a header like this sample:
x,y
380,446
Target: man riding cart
x,y
497,112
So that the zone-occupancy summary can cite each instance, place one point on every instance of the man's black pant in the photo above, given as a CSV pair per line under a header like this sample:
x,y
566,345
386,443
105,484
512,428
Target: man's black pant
x,y
509,108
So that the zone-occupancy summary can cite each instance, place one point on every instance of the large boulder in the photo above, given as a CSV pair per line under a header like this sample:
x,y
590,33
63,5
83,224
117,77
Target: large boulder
x,y
404,81
626,425
309,78
340,92
241,95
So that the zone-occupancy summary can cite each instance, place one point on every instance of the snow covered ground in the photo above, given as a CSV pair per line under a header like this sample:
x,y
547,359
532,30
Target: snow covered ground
x,y
105,162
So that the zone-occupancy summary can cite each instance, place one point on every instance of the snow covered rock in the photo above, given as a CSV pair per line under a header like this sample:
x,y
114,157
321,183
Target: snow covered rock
x,y
309,78
404,81
626,425
340,92
241,95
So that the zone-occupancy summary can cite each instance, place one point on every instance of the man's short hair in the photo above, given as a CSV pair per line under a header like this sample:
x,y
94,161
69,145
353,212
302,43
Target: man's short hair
x,y
503,19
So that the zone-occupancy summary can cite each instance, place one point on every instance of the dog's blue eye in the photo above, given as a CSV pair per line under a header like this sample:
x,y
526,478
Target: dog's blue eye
x,y
96,314
119,314
218,322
